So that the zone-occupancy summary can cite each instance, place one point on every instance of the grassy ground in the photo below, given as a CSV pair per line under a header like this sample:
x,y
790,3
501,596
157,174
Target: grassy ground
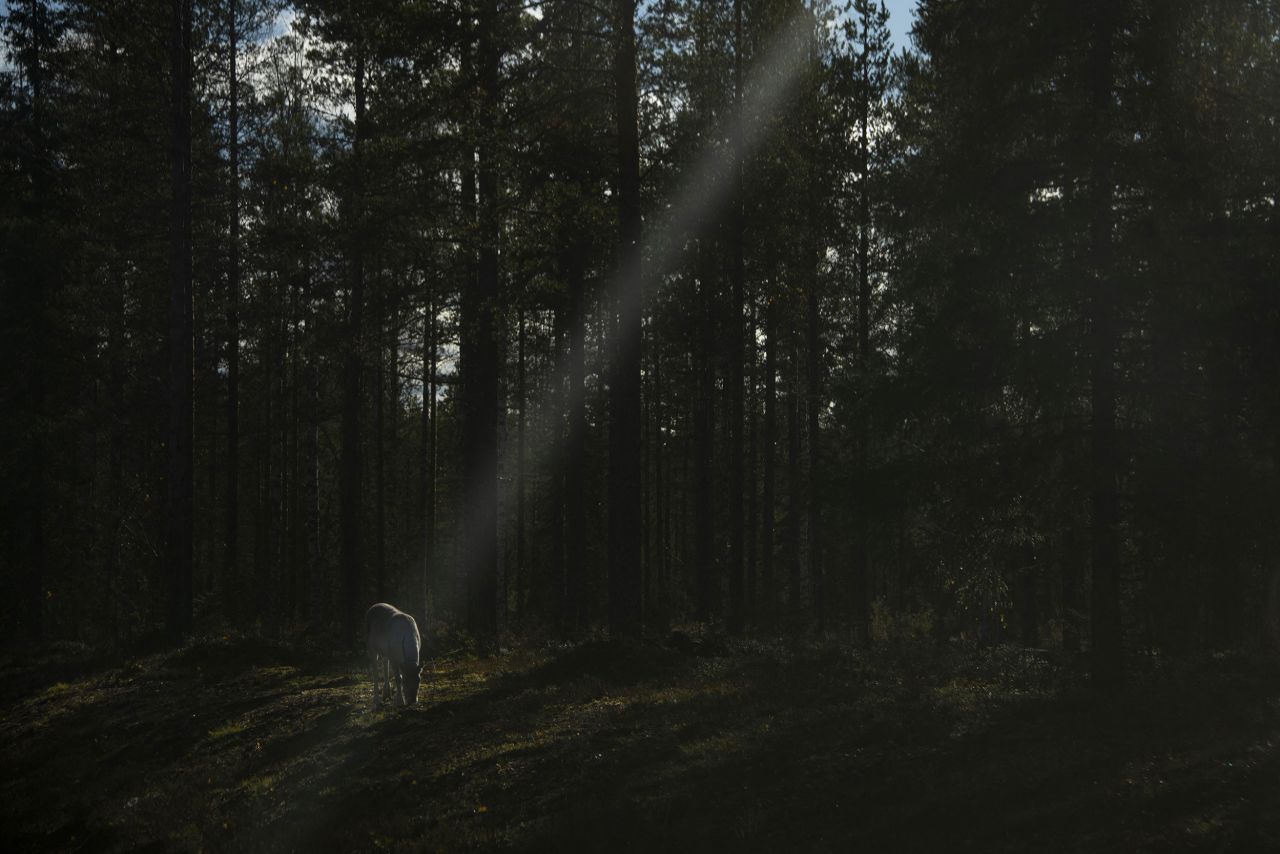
x,y
240,745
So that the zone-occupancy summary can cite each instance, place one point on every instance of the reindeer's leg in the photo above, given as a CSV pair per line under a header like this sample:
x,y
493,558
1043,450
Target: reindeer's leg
x,y
373,678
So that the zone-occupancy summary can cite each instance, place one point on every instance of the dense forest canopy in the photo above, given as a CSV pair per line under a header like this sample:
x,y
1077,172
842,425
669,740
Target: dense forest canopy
x,y
544,318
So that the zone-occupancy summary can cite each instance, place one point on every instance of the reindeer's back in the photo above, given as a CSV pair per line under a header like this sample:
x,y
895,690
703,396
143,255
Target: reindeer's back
x,y
376,621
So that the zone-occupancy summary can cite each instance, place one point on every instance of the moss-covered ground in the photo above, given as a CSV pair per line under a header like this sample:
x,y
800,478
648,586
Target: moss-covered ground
x,y
244,745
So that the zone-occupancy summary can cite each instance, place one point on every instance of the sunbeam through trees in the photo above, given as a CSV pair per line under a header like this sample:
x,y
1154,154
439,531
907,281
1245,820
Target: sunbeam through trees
x,y
694,338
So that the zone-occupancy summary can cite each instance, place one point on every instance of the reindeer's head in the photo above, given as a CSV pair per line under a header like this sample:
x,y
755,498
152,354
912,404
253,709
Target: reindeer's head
x,y
412,679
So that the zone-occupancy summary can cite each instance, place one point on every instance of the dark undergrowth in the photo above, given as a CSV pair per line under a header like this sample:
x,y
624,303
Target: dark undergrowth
x,y
246,745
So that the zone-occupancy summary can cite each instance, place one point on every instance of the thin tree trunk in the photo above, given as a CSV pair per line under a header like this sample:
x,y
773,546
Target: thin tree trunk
x,y
479,362
180,487
1073,559
737,358
353,368
520,458
767,499
428,514
659,485
753,450
470,230
703,438
861,581
814,358
231,561
314,573
293,500
815,456
260,583
1107,662
625,512
280,483
575,525
794,484
29,546
115,462
555,600
379,437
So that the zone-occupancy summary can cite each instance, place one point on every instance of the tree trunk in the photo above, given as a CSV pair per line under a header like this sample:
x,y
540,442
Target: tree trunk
x,y
115,462
352,369
479,363
379,436
861,581
312,490
1073,558
31,298
753,451
575,524
1107,664
659,485
180,440
703,437
737,358
625,511
794,484
814,359
554,600
231,561
520,568
815,455
769,451
428,475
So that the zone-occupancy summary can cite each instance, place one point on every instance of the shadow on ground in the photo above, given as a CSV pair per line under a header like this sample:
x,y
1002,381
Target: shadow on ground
x,y
241,745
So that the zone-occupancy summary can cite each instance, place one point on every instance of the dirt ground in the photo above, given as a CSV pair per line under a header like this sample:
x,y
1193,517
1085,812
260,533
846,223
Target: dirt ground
x,y
243,745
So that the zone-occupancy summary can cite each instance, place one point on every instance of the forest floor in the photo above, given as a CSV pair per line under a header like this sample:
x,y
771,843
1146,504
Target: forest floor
x,y
244,745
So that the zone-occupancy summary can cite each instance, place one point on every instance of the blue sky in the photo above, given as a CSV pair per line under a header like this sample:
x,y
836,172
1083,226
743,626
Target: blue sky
x,y
901,14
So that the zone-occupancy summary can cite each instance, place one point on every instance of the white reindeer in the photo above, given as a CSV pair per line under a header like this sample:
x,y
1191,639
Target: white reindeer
x,y
394,644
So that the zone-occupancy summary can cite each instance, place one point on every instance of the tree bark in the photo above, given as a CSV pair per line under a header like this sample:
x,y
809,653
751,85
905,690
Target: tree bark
x,y
794,484
660,509
352,369
814,360
575,525
703,436
315,576
479,363
555,598
815,455
753,451
625,511
520,459
32,301
379,434
180,439
861,581
231,560
737,585
769,451
1107,662
428,462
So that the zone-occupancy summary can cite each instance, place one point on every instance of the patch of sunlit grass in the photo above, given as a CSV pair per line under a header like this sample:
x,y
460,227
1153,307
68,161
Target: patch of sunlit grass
x,y
262,784
675,693
1204,826
714,747
233,728
964,694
